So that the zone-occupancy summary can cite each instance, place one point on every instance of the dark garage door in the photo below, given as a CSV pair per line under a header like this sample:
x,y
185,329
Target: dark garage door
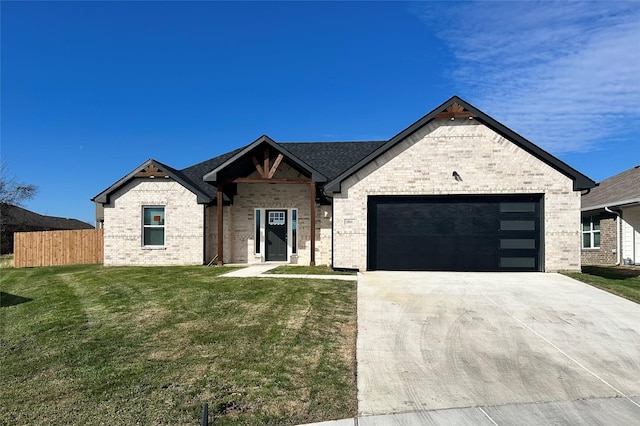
x,y
454,233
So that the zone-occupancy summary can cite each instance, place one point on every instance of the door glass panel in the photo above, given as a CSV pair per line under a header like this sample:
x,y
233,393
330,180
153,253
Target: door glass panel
x,y
518,243
517,225
257,232
294,231
276,218
518,207
517,262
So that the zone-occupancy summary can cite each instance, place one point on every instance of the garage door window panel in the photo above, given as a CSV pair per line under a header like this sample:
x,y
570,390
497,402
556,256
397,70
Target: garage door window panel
x,y
518,262
517,243
517,225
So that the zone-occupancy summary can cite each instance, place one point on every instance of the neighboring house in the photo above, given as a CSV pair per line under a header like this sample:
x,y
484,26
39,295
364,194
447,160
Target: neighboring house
x,y
16,219
456,190
611,221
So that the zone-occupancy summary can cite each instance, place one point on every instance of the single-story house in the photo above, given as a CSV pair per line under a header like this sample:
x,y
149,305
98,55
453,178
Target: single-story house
x,y
611,221
17,219
456,190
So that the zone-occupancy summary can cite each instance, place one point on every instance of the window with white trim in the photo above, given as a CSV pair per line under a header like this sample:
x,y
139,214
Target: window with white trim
x,y
591,232
153,226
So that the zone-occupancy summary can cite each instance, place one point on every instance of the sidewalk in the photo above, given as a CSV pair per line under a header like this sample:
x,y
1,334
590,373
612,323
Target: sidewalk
x,y
259,271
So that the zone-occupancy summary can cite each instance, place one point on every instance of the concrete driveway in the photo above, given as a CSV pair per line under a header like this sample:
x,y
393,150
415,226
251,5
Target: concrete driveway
x,y
495,349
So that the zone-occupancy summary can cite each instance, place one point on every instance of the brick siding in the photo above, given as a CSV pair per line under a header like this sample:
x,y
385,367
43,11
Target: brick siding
x,y
184,224
606,254
488,163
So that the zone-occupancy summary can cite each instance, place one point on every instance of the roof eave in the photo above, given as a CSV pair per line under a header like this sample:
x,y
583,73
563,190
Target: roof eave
x,y
316,176
613,204
580,181
104,196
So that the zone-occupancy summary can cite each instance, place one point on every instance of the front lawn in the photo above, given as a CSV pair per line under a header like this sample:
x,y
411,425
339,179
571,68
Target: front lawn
x,y
140,345
623,281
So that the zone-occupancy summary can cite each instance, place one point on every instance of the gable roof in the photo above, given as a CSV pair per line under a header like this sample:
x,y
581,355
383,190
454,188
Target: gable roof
x,y
315,175
621,189
332,162
17,217
328,159
580,181
178,176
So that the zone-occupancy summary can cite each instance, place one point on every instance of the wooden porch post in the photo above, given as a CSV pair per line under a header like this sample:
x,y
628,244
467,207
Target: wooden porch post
x,y
312,189
220,228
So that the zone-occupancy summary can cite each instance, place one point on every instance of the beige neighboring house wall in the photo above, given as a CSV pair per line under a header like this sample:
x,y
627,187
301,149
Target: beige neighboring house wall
x,y
184,224
630,238
488,163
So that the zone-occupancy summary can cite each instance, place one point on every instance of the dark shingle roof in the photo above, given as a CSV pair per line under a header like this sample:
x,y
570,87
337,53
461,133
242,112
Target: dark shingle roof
x,y
623,188
196,172
14,216
331,158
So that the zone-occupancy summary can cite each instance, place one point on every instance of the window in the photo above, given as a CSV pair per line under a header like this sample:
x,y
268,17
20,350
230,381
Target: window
x,y
294,231
276,218
153,226
591,232
257,231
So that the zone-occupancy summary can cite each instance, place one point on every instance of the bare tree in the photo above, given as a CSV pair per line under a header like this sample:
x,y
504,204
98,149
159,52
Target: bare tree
x,y
12,191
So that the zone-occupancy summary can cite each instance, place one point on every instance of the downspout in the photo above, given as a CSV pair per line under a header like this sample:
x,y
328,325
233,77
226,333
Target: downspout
x,y
618,224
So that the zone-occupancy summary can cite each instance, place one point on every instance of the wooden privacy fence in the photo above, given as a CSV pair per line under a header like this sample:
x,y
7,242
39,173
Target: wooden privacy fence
x,y
49,248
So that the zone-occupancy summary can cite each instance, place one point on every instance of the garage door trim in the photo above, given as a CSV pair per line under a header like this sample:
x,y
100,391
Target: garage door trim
x,y
504,247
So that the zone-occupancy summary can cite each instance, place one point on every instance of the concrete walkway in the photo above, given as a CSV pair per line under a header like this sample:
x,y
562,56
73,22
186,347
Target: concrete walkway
x,y
261,269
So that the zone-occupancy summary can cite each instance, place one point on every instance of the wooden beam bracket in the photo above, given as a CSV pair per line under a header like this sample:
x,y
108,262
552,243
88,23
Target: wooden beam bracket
x,y
151,171
454,111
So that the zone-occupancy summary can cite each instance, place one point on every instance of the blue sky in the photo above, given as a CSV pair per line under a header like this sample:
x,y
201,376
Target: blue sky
x,y
90,90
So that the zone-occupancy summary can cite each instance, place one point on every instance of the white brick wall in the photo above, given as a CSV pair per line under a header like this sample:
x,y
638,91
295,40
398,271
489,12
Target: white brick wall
x,y
184,224
239,225
423,164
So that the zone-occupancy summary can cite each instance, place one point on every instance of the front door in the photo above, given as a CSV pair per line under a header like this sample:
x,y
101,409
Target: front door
x,y
276,233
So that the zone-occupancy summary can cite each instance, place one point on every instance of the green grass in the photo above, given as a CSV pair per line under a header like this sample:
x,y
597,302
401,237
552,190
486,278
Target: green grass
x,y
133,345
622,281
307,270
